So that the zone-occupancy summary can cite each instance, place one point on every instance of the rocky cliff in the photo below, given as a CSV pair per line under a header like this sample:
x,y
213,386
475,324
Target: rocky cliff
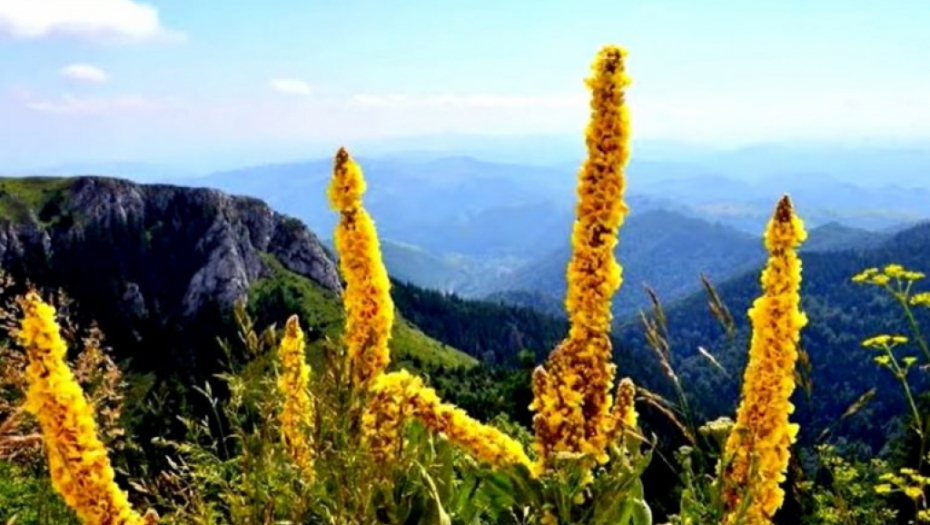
x,y
150,262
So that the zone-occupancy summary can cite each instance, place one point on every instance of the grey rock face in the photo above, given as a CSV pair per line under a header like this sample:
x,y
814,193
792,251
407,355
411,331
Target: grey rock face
x,y
210,241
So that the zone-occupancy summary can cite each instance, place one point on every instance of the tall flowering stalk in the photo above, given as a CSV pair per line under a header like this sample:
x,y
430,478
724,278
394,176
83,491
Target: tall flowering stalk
x,y
757,447
297,409
77,459
367,298
572,393
399,396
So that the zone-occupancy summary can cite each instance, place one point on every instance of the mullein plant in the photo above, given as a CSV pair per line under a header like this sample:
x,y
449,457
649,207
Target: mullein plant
x,y
80,469
755,449
588,446
367,297
297,410
572,396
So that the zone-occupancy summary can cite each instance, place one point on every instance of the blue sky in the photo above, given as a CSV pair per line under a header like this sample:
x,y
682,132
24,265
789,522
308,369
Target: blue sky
x,y
180,80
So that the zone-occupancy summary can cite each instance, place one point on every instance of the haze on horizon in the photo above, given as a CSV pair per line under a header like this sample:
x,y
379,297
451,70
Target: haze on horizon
x,y
211,83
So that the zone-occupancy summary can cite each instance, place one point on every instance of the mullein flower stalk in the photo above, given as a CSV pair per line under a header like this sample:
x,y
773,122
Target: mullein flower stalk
x,y
623,414
398,397
297,410
757,449
572,392
77,459
366,298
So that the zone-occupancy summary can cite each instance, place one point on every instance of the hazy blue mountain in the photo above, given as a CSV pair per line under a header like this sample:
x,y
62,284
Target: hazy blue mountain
x,y
447,273
504,216
663,249
667,251
145,172
861,164
821,199
405,198
833,237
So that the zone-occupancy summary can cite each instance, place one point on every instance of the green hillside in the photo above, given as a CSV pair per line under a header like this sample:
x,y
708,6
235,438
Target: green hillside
x,y
38,195
841,315
273,299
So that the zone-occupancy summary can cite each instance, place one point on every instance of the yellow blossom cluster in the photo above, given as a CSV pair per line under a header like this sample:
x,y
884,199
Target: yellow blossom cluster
x,y
367,298
758,446
884,341
572,393
623,414
909,482
885,276
80,470
297,409
921,299
399,396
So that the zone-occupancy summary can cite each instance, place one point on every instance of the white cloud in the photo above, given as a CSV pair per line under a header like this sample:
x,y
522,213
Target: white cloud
x,y
123,20
290,86
474,100
85,73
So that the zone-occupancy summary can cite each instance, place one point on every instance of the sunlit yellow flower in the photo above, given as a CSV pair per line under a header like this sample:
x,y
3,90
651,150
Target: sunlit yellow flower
x,y
913,492
921,299
892,272
548,518
623,413
865,275
367,297
77,459
758,445
297,408
572,393
883,341
399,396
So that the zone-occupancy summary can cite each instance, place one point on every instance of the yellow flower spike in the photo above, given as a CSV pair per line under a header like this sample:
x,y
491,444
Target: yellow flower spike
x,y
624,414
399,396
367,296
77,460
297,409
762,433
581,423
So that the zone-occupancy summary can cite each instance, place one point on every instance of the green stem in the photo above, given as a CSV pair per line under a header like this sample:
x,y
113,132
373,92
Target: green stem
x,y
914,326
902,378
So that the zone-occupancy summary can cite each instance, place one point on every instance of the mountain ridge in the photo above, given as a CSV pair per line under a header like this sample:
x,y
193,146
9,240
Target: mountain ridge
x,y
160,266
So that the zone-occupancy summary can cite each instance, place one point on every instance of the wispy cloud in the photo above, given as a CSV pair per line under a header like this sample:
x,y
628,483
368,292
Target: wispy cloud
x,y
71,105
473,100
84,73
290,86
120,20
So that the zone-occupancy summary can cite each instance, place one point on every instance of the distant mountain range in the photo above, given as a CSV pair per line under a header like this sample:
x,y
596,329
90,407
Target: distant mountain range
x,y
663,249
486,229
668,252
500,230
439,203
